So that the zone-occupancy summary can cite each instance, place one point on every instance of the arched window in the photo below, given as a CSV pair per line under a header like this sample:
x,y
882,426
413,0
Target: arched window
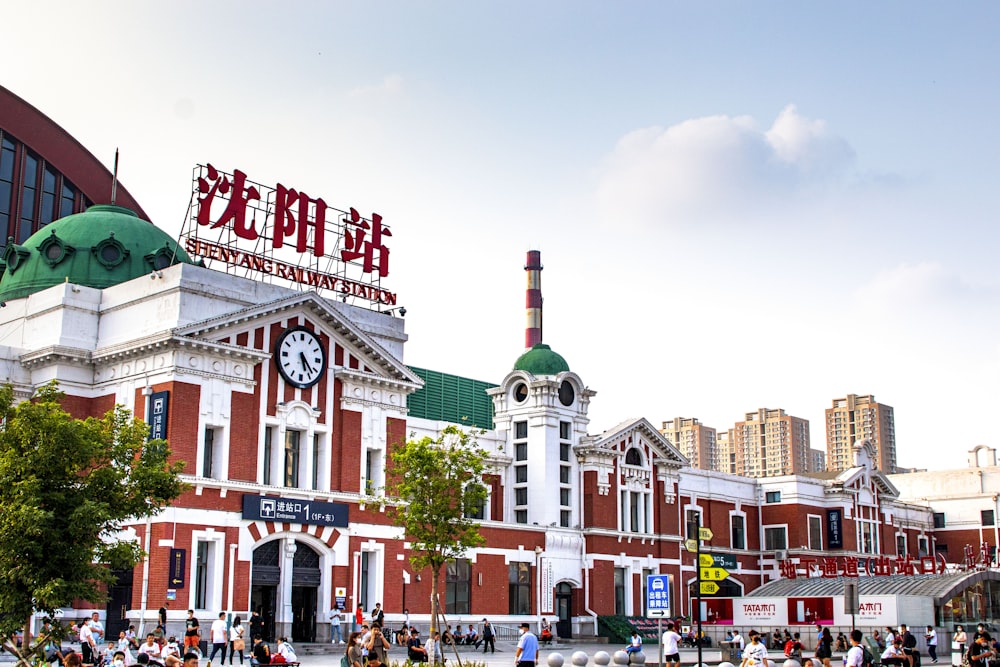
x,y
633,457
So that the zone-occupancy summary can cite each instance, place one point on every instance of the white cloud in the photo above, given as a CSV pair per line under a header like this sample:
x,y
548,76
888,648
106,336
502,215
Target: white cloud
x,y
720,168
390,86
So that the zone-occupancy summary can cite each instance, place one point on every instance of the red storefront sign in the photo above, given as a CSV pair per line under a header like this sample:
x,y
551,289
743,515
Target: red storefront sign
x,y
285,233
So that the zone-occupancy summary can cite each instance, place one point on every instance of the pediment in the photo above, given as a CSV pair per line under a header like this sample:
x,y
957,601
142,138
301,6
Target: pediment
x,y
376,363
640,430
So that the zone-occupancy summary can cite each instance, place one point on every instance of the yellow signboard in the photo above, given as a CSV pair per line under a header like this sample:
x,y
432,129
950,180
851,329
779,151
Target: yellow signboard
x,y
705,534
709,588
713,573
691,545
706,560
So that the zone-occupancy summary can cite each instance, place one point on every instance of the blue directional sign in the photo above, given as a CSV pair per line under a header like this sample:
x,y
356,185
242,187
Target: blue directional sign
x,y
658,596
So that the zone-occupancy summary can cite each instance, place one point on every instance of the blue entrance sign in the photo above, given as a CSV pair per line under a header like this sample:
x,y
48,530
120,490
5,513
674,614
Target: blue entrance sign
x,y
658,596
269,508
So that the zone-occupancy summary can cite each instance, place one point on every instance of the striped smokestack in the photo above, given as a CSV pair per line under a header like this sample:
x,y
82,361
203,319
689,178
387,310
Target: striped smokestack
x,y
533,300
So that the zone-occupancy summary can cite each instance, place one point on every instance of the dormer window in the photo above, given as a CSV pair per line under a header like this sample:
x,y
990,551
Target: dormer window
x,y
633,457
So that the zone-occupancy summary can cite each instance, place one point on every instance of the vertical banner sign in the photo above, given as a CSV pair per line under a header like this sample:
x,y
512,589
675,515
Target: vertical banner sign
x,y
834,529
547,600
178,558
157,417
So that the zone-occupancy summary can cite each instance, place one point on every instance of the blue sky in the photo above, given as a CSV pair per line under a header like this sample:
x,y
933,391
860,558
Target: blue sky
x,y
739,205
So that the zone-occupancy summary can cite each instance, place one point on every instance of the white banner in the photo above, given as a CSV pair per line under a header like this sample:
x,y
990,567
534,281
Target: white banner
x,y
751,612
874,610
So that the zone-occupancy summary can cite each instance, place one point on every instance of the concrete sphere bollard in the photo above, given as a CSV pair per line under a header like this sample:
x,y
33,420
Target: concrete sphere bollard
x,y
638,658
555,660
602,659
791,663
726,664
621,658
580,659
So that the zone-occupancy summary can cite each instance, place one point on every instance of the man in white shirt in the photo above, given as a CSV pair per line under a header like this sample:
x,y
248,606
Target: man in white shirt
x,y
738,642
671,646
856,654
756,653
336,617
931,637
150,648
220,637
97,627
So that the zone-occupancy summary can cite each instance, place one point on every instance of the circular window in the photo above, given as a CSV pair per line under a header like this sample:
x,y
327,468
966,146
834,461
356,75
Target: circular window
x,y
110,254
566,393
161,262
520,392
54,252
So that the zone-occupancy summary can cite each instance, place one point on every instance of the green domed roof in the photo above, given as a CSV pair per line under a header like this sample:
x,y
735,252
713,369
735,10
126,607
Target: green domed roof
x,y
103,246
541,360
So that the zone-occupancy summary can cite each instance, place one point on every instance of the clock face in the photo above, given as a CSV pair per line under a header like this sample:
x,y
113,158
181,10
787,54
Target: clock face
x,y
300,357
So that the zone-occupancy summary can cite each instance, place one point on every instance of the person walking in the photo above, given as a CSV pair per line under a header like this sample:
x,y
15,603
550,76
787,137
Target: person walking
x,y
88,647
237,641
931,637
220,638
527,648
824,647
489,638
192,633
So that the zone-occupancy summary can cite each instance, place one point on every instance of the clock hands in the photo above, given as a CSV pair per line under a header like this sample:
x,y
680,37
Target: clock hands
x,y
305,363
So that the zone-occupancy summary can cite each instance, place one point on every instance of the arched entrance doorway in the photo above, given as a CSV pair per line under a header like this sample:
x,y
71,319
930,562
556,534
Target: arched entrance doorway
x,y
264,582
564,610
284,588
305,588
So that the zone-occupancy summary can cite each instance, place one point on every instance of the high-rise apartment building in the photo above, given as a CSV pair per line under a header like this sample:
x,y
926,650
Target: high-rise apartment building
x,y
854,418
770,443
817,460
694,440
725,452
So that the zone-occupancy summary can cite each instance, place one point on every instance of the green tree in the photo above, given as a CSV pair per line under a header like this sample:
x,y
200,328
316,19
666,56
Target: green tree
x,y
435,487
67,486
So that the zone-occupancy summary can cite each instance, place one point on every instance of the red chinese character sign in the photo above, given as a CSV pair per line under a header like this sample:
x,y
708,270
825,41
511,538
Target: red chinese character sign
x,y
851,566
281,233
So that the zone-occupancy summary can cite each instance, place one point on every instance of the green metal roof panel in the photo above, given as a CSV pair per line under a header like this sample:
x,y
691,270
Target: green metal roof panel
x,y
451,398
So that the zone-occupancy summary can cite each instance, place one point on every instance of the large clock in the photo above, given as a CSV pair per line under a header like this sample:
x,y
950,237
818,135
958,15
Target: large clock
x,y
300,357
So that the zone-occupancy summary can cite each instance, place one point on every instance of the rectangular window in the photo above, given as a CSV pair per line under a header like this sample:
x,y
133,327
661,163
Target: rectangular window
x,y
633,514
565,430
564,497
900,544
521,496
268,432
316,462
775,538
520,451
564,517
692,519
815,533
564,451
458,584
772,497
520,474
520,430
939,519
208,453
521,516
292,458
619,591
519,589
737,529
922,549
202,555
564,474
987,517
